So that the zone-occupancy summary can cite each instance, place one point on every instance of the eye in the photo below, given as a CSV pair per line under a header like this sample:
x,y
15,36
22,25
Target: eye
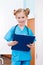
x,y
22,17
18,17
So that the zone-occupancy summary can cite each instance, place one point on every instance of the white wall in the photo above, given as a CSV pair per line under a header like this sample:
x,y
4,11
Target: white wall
x,y
30,4
39,31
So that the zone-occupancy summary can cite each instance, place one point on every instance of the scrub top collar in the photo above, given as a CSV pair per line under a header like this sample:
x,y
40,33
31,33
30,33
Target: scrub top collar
x,y
21,28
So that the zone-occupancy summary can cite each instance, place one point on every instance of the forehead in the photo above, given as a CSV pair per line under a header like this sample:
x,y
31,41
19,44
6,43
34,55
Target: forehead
x,y
20,14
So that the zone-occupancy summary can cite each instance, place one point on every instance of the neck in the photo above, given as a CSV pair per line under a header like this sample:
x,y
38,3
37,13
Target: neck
x,y
21,26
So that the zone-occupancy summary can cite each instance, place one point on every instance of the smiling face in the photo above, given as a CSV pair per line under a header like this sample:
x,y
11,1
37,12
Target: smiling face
x,y
21,17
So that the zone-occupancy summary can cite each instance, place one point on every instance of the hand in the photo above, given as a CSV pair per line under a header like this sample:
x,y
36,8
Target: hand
x,y
12,43
30,45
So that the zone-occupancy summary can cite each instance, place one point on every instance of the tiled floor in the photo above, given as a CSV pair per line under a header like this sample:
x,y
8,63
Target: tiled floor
x,y
7,61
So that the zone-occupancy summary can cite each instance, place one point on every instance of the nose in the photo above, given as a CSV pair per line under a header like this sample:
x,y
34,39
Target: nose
x,y
21,20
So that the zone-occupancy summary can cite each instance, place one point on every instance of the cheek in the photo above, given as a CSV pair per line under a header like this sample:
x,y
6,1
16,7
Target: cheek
x,y
17,19
24,19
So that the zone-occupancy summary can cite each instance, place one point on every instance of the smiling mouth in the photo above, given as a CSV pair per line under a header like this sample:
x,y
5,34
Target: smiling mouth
x,y
21,21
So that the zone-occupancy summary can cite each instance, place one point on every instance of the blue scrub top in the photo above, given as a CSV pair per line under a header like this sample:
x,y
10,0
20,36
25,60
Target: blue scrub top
x,y
19,55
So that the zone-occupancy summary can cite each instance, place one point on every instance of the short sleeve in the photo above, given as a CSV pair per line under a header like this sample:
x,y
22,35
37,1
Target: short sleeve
x,y
8,35
31,34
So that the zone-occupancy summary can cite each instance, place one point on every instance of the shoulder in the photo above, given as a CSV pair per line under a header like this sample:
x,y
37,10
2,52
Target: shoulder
x,y
8,35
30,32
28,28
11,29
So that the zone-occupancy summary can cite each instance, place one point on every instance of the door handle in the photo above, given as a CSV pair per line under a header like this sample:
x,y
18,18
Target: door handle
x,y
2,62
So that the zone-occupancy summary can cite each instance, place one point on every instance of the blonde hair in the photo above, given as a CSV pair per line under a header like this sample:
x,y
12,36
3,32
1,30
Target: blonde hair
x,y
26,11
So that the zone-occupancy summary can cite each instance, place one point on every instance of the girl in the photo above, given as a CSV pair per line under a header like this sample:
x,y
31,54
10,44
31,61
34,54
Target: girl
x,y
20,57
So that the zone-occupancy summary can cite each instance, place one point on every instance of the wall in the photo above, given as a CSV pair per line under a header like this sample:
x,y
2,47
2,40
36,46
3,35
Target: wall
x,y
39,31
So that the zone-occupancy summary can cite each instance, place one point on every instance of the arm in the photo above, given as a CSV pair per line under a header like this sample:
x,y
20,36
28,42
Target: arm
x,y
12,43
8,37
30,45
30,34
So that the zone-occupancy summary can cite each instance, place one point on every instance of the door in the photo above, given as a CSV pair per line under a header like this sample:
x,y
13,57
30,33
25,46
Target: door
x,y
31,25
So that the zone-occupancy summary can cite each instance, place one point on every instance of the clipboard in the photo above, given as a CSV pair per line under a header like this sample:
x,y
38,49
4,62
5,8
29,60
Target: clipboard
x,y
23,39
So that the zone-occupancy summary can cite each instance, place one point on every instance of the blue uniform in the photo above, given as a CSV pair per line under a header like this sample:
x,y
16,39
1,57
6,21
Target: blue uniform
x,y
18,56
